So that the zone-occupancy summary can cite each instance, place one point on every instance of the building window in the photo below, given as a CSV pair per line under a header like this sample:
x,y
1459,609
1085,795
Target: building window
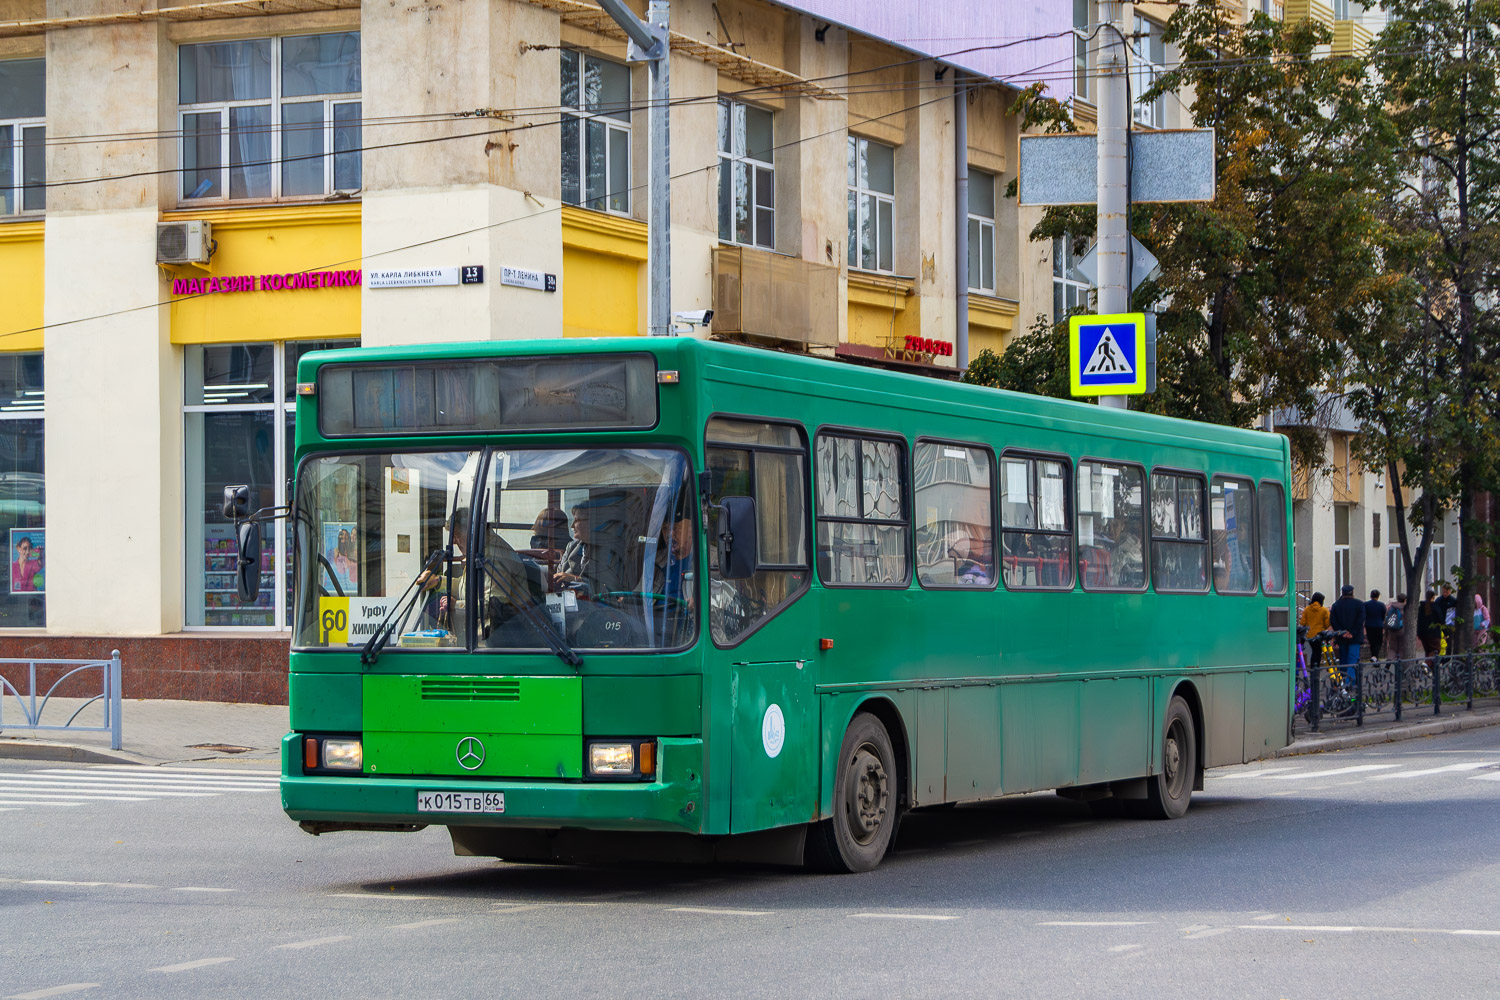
x,y
872,205
1111,526
861,506
1437,556
1070,292
1341,10
595,132
1082,79
747,176
955,519
1034,526
270,117
1179,548
981,231
1149,53
23,495
23,134
240,399
1395,568
1340,546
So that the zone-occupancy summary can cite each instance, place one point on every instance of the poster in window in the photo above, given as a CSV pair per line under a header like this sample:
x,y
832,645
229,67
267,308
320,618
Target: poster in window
x,y
28,555
341,549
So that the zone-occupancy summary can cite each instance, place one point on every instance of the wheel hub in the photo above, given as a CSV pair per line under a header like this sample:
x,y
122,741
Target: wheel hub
x,y
869,794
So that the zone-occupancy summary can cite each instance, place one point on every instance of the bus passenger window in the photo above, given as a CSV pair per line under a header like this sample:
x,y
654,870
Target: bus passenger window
x,y
1272,539
1035,530
955,526
1232,514
1179,549
766,461
861,512
1111,526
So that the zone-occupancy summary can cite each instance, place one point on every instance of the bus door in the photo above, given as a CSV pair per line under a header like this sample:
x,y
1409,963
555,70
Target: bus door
x,y
774,745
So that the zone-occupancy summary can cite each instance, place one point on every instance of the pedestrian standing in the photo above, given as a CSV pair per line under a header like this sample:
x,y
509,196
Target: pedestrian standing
x,y
1375,611
1395,624
1347,619
1481,622
1447,618
1428,624
1315,617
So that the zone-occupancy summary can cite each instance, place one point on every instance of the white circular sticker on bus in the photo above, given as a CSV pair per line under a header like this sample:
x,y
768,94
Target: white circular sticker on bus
x,y
773,731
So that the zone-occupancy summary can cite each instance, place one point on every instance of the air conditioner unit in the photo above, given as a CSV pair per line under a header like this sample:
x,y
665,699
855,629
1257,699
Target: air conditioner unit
x,y
184,242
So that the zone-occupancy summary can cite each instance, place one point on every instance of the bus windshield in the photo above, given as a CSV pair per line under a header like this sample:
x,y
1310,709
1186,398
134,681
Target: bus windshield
x,y
582,549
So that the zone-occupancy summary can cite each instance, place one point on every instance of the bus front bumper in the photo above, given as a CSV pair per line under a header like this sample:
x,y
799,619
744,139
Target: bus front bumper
x,y
673,802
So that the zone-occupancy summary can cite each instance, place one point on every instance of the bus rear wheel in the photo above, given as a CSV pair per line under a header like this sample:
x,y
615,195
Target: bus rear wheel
x,y
1169,791
865,800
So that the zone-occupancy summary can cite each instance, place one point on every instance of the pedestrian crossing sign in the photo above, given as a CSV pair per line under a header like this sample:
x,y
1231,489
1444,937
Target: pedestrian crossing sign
x,y
1107,355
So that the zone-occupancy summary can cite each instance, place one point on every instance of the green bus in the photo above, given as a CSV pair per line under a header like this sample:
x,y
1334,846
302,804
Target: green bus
x,y
673,598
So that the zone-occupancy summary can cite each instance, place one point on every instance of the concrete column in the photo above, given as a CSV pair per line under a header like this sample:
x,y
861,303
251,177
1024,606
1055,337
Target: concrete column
x,y
114,413
924,207
695,146
500,190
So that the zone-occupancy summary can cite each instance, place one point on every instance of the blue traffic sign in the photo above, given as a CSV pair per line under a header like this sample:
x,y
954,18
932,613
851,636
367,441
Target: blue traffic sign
x,y
1107,355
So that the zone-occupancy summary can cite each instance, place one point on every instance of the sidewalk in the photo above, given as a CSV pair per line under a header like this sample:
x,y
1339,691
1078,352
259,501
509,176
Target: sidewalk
x,y
180,732
154,732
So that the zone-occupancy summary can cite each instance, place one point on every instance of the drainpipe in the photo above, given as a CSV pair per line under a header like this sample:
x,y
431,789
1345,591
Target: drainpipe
x,y
961,218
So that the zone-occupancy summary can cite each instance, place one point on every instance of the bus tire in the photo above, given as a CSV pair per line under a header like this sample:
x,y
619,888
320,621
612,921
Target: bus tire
x,y
865,799
1169,791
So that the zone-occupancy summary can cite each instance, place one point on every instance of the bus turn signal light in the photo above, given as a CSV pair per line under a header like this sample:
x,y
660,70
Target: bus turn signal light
x,y
825,644
310,753
647,759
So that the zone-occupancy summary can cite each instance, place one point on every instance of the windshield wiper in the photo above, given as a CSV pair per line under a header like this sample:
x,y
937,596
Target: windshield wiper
x,y
398,612
539,620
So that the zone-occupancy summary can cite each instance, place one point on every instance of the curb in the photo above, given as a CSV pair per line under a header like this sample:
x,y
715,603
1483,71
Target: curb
x,y
1403,731
65,752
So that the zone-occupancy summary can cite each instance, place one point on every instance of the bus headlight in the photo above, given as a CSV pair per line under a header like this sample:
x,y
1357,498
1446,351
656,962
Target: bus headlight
x,y
629,759
343,755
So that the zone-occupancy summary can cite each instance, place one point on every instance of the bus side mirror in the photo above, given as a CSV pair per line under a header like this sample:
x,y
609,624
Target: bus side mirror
x,y
247,566
236,502
737,542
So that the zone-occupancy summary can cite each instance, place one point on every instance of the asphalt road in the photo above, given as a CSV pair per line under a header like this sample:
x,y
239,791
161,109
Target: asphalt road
x,y
1369,873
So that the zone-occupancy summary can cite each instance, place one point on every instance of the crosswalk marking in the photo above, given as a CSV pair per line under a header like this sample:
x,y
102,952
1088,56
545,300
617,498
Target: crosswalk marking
x,y
173,769
1485,777
1334,772
1466,766
75,786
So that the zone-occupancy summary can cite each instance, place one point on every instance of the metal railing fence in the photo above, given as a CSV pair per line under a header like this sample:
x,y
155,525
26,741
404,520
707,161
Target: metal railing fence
x,y
32,709
1395,688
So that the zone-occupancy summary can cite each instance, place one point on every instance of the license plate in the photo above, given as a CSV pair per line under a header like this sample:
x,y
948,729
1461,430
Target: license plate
x,y
461,802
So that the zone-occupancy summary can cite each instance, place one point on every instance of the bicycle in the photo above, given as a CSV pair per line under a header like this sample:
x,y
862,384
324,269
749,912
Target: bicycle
x,y
1340,696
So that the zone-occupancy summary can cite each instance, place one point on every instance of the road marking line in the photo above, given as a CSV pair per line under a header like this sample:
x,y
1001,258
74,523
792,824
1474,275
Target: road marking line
x,y
74,797
148,769
902,916
1211,932
1268,916
199,888
1352,769
96,791
1263,772
313,943
1485,777
33,802
424,923
1095,923
198,964
164,781
718,912
1124,947
378,895
1351,929
52,991
91,885
1466,766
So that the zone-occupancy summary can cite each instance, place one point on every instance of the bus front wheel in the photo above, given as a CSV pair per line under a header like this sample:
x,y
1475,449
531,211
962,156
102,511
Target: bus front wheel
x,y
1169,791
865,800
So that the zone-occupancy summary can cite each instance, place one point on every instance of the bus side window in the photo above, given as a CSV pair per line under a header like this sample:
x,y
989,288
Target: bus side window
x,y
766,461
1179,548
1111,526
1232,516
1272,539
862,520
1035,530
955,519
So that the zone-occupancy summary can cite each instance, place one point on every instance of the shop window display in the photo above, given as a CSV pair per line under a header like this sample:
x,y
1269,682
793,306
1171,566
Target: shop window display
x,y
23,499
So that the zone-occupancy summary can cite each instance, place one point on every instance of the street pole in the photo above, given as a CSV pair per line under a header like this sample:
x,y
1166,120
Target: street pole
x,y
1114,176
649,43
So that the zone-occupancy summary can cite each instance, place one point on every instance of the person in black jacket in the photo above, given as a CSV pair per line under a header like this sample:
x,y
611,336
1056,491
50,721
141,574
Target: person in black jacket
x,y
1347,618
1375,611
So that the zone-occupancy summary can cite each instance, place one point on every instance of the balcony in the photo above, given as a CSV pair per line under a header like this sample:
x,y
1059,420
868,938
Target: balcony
x,y
1305,10
1350,38
770,296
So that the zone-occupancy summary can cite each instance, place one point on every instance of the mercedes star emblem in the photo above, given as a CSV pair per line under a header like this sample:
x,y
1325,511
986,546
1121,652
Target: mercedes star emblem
x,y
470,753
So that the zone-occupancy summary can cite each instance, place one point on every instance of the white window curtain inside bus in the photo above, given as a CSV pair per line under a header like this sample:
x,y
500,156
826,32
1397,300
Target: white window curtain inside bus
x,y
1179,549
955,526
1111,526
861,518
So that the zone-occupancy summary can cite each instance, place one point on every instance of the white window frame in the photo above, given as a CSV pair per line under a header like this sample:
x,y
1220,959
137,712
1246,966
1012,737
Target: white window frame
x,y
276,100
1341,10
17,190
1062,279
611,124
1083,75
982,234
755,169
1143,73
863,196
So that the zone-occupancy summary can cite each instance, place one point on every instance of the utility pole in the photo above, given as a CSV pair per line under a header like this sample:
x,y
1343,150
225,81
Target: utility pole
x,y
649,44
1114,170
